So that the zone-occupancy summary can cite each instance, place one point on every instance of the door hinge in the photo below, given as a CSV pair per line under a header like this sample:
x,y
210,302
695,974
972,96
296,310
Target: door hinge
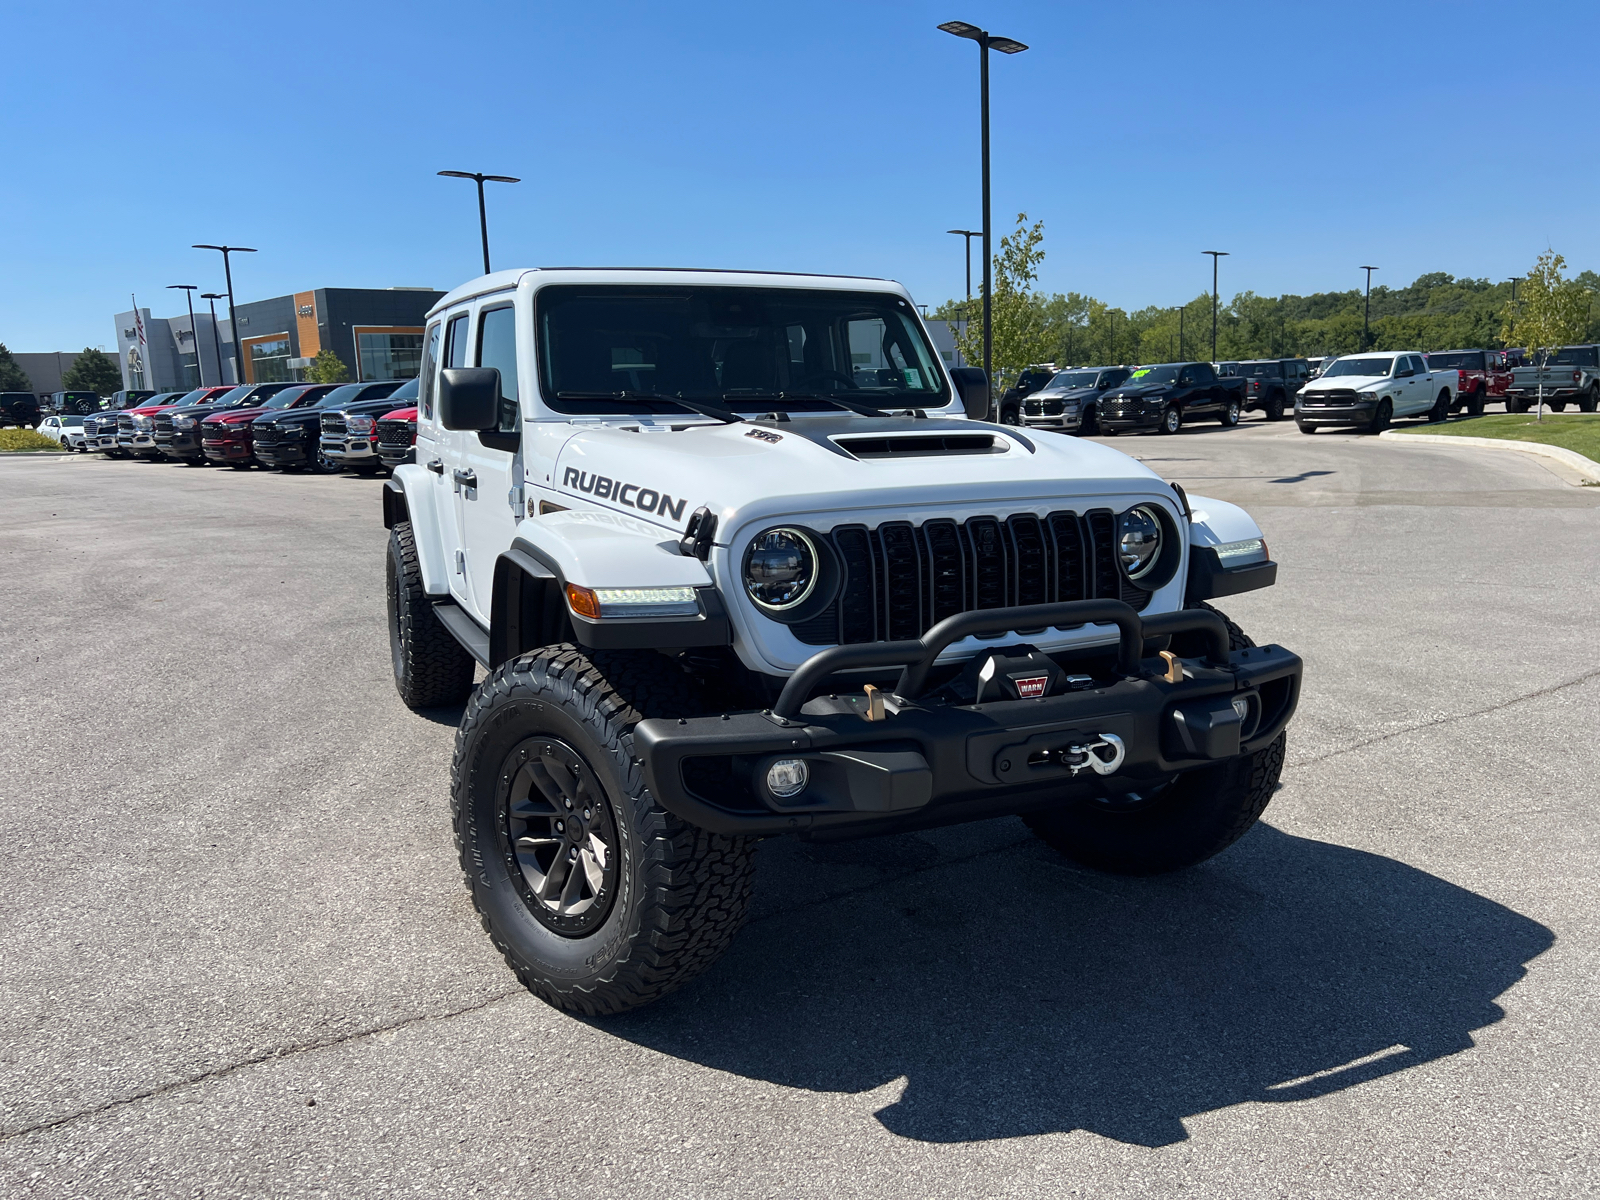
x,y
514,498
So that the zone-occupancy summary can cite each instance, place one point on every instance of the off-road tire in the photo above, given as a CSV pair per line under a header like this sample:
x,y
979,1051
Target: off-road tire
x,y
1201,814
1515,406
1273,409
430,667
1475,404
1556,405
1590,400
680,892
1011,415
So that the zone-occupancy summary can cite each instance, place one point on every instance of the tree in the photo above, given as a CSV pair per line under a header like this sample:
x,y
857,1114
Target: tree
x,y
1552,312
92,371
327,367
12,377
1017,313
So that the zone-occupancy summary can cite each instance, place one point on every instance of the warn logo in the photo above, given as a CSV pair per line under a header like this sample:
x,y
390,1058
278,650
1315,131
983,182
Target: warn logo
x,y
1031,687
603,488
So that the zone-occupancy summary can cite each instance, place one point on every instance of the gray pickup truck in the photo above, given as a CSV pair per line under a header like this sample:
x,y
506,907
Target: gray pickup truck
x,y
1571,375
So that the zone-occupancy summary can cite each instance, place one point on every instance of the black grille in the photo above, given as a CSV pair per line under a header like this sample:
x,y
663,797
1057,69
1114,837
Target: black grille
x,y
902,579
1340,396
397,434
161,429
1043,408
334,425
266,435
125,424
1121,407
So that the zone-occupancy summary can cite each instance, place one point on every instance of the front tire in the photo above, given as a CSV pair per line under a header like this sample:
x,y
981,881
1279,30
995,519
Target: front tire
x,y
1089,423
1274,407
545,783
1230,414
1198,815
1381,418
430,667
1171,420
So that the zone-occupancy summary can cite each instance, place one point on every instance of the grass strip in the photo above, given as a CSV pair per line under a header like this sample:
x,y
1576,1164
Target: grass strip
x,y
1579,432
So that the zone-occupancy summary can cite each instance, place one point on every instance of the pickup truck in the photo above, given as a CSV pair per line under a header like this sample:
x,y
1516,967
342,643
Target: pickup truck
x,y
1571,374
1368,390
1067,403
397,437
1031,380
289,440
226,437
1481,376
1165,396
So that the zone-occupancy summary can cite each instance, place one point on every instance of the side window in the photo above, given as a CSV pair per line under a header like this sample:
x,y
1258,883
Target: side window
x,y
430,365
455,342
497,347
1186,377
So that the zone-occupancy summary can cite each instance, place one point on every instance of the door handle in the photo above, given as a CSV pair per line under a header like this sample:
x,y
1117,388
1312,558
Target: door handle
x,y
436,466
465,479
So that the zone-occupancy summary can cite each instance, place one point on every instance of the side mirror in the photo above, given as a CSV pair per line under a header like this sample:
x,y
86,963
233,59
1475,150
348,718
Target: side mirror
x,y
469,398
972,385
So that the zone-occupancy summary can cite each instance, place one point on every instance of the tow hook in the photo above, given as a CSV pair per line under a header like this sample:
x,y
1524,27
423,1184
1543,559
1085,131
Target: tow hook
x,y
1102,756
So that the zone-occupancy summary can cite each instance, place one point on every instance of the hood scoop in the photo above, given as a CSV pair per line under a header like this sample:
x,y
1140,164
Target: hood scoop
x,y
935,445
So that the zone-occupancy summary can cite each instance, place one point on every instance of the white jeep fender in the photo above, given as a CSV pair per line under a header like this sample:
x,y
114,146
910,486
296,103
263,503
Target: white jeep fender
x,y
409,495
605,549
1216,522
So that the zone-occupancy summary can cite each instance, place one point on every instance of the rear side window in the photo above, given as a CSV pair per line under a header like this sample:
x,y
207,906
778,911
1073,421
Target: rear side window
x,y
497,348
455,342
430,364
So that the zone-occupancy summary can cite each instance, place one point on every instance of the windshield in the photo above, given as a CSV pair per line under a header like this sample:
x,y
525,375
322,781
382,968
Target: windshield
x,y
1378,368
744,348
1575,356
406,391
1143,376
1065,380
287,398
1259,370
71,419
1467,360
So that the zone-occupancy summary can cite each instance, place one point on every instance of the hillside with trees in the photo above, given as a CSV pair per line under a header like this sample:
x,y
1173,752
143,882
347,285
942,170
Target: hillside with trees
x,y
1434,312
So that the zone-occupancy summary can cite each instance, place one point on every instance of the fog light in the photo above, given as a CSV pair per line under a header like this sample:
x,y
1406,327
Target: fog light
x,y
788,777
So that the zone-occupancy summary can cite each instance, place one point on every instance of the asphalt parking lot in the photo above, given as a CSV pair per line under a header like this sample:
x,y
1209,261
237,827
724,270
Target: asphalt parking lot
x,y
238,959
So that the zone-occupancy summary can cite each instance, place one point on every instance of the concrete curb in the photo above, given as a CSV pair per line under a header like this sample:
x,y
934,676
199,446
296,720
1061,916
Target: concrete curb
x,y
1586,467
40,453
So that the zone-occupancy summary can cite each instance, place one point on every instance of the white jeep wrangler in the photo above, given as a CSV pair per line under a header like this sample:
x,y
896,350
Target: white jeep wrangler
x,y
739,563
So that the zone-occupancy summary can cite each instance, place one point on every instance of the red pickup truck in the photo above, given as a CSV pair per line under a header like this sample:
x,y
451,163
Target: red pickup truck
x,y
1484,376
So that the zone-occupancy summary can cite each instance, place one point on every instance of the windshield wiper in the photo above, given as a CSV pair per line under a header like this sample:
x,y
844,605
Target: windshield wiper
x,y
866,410
724,415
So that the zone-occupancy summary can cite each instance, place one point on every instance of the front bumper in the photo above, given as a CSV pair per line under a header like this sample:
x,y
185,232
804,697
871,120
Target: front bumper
x,y
1358,413
226,452
185,444
396,457
139,442
1127,420
287,453
351,450
923,763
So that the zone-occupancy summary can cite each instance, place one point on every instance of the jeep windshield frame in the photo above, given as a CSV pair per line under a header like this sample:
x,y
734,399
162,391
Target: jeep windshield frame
x,y
630,348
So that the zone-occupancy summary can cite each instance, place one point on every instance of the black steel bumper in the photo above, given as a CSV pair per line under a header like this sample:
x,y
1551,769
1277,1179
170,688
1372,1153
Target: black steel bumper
x,y
1359,413
1118,731
1150,420
281,454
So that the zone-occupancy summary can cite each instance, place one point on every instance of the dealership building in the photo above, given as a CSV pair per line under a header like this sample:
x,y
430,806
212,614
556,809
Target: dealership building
x,y
376,332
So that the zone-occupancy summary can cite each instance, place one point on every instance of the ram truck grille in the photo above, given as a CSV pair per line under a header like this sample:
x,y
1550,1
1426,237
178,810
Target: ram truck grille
x,y
334,426
1338,397
396,435
266,435
1119,407
901,579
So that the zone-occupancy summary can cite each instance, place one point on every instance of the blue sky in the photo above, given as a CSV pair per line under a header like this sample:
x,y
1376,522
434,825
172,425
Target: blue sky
x,y
1305,138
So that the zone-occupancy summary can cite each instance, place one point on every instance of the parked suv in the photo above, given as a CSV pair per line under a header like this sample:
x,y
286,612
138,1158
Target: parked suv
x,y
20,409
1572,374
129,398
1481,376
1271,384
723,592
291,440
227,436
397,436
178,433
1164,397
82,403
349,434
1067,402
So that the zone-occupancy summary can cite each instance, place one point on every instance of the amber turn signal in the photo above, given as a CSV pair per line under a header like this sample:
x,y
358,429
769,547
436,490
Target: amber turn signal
x,y
583,602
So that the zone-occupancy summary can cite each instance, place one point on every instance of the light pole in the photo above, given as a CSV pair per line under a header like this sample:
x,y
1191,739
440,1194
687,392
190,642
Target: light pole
x,y
969,234
1366,316
1180,331
189,290
1215,255
216,341
1006,46
233,325
483,215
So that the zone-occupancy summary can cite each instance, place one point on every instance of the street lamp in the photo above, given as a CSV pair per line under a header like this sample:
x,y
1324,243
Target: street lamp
x,y
233,325
483,216
188,290
1006,46
1366,316
1215,255
969,234
216,341
1181,309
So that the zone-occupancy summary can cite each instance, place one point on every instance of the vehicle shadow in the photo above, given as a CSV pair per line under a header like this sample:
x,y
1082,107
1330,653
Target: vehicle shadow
x,y
1017,995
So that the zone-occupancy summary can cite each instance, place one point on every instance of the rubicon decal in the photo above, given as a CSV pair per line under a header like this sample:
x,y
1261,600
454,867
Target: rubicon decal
x,y
602,487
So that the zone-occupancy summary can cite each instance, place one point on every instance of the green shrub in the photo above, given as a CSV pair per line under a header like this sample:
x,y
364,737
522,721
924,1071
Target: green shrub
x,y
25,439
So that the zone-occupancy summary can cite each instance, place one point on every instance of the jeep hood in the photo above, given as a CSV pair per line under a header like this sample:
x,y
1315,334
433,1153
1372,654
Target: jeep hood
x,y
829,463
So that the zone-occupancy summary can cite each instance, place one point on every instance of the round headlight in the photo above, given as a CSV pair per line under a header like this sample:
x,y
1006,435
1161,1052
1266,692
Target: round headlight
x,y
780,568
1139,541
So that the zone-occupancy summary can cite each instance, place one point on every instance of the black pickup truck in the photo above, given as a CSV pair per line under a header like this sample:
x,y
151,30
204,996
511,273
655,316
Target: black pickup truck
x,y
1165,396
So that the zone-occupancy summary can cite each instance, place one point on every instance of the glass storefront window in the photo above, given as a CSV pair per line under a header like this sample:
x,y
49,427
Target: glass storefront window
x,y
269,360
389,355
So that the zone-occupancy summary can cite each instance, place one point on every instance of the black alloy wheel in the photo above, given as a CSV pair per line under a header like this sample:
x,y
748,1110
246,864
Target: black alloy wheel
x,y
1171,420
1010,416
558,836
1381,418
1590,400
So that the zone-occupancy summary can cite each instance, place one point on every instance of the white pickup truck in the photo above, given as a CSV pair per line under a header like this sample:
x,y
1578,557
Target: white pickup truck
x,y
1369,390
739,562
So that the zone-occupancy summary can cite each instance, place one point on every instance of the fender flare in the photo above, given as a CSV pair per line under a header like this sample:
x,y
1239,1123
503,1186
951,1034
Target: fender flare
x,y
408,496
1213,523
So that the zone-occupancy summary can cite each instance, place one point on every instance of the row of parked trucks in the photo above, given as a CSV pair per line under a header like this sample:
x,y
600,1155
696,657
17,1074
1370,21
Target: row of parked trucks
x,y
1163,397
366,426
